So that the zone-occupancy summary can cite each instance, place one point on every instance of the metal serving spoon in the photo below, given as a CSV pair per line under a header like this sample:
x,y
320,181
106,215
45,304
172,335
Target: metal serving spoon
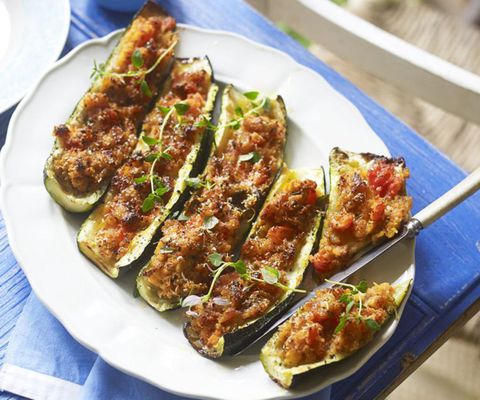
x,y
421,220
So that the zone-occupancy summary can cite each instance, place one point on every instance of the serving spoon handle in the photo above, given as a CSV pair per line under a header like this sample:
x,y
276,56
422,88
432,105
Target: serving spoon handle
x,y
449,200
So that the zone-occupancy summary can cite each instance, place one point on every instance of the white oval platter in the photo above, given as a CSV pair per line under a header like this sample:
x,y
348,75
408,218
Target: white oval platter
x,y
102,314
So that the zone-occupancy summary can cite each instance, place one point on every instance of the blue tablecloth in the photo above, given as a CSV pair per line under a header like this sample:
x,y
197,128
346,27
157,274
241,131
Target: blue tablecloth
x,y
447,256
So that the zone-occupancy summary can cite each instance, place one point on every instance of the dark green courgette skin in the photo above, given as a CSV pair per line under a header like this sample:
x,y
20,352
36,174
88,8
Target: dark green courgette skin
x,y
144,247
235,341
84,203
220,138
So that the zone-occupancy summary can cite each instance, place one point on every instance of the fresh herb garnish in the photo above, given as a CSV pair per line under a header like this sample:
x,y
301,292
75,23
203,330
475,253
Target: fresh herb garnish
x,y
270,276
157,187
141,179
181,108
210,222
215,259
196,183
239,111
164,110
206,123
182,217
351,299
99,70
145,88
372,324
151,141
236,122
253,156
251,95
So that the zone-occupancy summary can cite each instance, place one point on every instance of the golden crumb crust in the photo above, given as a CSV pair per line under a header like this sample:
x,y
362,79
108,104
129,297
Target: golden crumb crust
x,y
121,213
217,214
309,336
101,137
282,226
368,203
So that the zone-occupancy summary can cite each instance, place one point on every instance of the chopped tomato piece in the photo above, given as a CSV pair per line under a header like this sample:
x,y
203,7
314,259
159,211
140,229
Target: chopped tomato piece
x,y
322,262
380,178
378,212
311,196
342,222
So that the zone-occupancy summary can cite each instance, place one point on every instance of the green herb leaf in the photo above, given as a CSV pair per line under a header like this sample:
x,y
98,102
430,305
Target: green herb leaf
x,y
182,217
372,324
240,267
166,250
345,298
141,179
98,70
161,191
210,222
239,112
215,259
164,110
166,156
194,182
181,108
137,58
251,95
152,157
235,124
270,275
148,203
362,286
191,301
341,324
266,104
349,306
151,141
252,156
145,88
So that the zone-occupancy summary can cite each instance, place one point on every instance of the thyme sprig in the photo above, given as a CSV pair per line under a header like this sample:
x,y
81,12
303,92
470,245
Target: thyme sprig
x,y
351,300
269,274
99,70
196,183
236,122
157,188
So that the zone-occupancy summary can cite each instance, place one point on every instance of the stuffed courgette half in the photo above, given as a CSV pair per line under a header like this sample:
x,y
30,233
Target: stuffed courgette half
x,y
261,284
333,325
146,188
367,204
247,155
101,133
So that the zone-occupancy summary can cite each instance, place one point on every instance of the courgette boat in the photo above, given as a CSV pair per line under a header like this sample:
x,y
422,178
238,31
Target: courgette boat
x,y
246,157
146,188
101,133
367,203
277,252
330,327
